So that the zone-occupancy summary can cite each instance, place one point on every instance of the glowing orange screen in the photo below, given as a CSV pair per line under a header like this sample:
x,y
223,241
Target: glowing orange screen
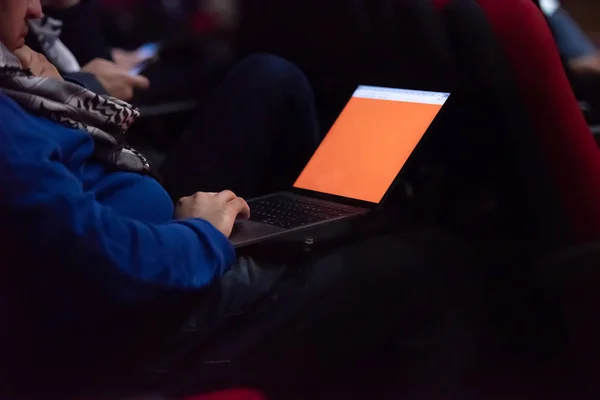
x,y
367,147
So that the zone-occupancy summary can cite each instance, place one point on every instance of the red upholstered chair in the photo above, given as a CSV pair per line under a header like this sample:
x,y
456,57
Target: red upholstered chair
x,y
440,4
567,143
234,394
571,277
568,147
566,327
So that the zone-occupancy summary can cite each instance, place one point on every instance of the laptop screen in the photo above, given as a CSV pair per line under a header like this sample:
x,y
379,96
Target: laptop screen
x,y
370,142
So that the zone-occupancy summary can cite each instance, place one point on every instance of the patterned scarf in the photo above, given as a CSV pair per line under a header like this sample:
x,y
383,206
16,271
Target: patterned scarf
x,y
105,118
47,31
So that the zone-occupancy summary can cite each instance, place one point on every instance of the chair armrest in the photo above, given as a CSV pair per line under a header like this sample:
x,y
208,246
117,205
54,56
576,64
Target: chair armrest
x,y
167,108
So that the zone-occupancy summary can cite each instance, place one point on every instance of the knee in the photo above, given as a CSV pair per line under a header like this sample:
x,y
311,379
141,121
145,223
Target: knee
x,y
271,66
268,68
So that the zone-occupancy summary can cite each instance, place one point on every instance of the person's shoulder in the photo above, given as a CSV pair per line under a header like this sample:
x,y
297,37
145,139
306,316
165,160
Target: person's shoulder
x,y
5,100
18,125
13,117
12,112
9,108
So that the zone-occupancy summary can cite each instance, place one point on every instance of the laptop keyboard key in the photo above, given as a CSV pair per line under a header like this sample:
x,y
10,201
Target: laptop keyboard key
x,y
292,212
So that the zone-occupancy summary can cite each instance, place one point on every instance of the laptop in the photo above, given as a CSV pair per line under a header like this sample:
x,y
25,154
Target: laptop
x,y
354,168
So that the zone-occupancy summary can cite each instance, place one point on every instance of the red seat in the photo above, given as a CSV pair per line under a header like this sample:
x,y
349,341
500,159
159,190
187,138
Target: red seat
x,y
234,394
440,4
567,143
568,148
568,278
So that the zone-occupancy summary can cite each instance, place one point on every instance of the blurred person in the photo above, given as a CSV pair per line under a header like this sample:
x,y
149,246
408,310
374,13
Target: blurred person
x,y
100,75
189,73
580,56
573,43
106,286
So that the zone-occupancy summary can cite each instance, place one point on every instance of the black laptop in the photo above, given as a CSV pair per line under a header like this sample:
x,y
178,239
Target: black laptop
x,y
354,168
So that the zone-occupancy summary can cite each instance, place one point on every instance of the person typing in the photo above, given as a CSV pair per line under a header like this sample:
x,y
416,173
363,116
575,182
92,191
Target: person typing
x,y
108,287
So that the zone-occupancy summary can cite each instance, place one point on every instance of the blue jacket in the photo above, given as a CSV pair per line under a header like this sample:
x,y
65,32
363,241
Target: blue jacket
x,y
74,235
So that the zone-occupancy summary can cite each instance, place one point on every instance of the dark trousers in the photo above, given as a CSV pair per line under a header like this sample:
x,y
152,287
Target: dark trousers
x,y
253,135
397,310
290,319
189,69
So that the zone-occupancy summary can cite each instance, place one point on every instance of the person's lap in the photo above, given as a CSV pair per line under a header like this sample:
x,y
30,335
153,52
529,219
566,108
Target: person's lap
x,y
304,319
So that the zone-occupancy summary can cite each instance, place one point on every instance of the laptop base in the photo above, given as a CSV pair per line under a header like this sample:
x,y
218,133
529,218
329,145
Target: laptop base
x,y
329,235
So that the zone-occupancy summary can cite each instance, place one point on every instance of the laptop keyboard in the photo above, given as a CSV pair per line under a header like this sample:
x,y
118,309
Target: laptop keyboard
x,y
293,212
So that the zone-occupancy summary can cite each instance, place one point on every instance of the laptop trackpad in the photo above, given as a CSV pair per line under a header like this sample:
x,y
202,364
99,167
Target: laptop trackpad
x,y
250,231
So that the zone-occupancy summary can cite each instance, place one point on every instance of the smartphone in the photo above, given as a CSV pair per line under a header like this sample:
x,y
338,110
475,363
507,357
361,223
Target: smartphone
x,y
147,54
147,51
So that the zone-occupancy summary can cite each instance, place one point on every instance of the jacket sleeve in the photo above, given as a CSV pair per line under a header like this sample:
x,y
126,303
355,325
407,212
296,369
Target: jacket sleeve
x,y
571,40
82,21
44,208
87,80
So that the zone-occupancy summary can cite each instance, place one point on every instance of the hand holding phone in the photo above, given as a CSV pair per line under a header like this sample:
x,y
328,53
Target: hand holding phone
x,y
116,81
145,55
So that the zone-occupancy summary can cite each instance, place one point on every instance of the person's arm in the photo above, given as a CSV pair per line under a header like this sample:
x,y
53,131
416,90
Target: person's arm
x,y
572,41
45,209
82,30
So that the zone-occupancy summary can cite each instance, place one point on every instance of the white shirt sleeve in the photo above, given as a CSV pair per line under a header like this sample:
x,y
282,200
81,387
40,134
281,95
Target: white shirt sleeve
x,y
549,7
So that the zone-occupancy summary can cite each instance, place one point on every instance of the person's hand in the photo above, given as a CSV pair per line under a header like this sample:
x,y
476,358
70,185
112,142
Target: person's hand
x,y
117,81
220,209
60,3
125,59
588,65
37,63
